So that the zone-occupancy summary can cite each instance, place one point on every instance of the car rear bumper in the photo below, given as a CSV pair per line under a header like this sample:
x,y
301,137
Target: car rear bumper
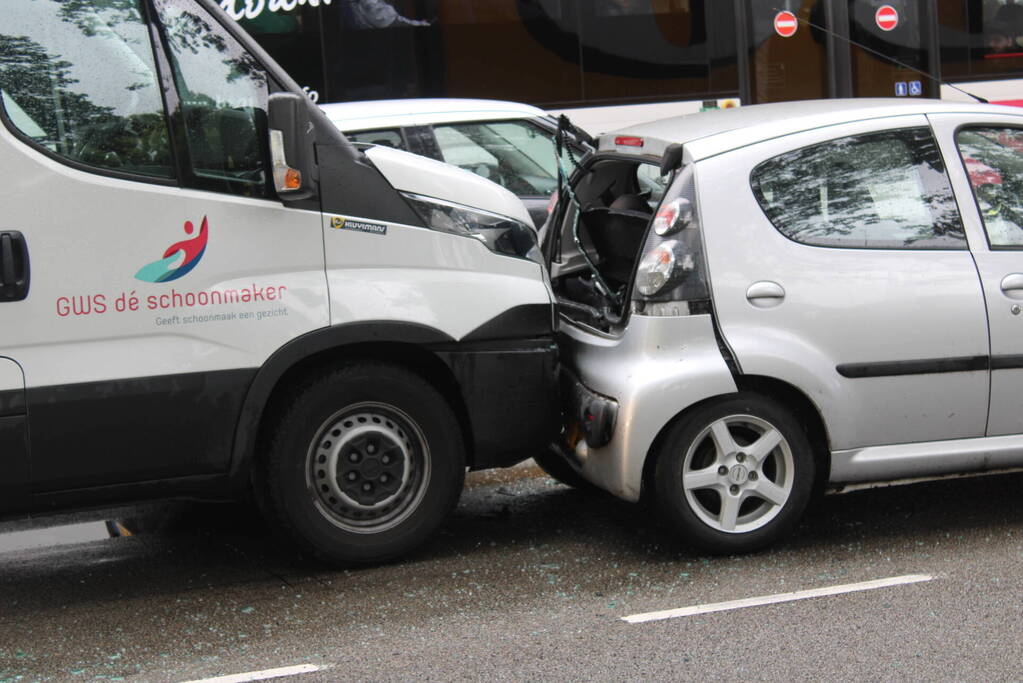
x,y
637,384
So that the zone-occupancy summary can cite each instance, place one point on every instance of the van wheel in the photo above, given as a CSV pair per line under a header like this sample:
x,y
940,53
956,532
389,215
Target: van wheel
x,y
735,475
363,463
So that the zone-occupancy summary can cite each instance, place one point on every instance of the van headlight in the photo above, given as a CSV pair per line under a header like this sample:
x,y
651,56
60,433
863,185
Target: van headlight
x,y
502,234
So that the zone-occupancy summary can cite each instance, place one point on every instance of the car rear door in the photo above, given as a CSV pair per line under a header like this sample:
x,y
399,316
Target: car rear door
x,y
839,265
985,159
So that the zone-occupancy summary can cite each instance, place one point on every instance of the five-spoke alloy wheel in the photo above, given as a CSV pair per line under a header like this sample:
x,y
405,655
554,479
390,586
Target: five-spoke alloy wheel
x,y
735,474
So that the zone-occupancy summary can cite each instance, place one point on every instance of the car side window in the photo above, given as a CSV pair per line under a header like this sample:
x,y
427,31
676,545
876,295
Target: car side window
x,y
224,95
387,137
994,162
79,81
516,154
886,190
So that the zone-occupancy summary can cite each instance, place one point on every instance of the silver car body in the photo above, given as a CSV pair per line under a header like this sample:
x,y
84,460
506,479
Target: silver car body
x,y
802,317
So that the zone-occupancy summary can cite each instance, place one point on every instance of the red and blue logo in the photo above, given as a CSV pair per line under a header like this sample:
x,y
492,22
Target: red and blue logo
x,y
172,265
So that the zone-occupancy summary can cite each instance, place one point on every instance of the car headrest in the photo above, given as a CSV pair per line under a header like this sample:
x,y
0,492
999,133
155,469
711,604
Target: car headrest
x,y
630,202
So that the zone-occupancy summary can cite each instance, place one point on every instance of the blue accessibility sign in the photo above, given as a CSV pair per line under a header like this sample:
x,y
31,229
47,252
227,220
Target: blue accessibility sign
x,y
916,88
901,89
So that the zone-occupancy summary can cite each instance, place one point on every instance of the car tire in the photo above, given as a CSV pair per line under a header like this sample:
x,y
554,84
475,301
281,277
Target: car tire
x,y
557,468
735,475
362,463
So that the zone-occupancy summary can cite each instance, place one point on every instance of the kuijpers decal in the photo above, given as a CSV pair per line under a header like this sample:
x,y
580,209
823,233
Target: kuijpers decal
x,y
339,223
192,249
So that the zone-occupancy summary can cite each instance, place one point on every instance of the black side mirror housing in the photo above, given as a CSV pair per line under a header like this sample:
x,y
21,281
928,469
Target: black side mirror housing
x,y
292,136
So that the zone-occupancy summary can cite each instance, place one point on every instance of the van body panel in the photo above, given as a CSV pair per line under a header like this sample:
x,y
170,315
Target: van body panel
x,y
98,343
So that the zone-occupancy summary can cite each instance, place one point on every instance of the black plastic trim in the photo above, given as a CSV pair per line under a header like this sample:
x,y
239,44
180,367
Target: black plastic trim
x,y
928,366
527,320
12,402
511,397
14,464
1008,362
355,187
134,429
207,487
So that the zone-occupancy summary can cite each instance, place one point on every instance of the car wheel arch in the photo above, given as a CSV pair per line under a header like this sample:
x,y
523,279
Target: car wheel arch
x,y
805,410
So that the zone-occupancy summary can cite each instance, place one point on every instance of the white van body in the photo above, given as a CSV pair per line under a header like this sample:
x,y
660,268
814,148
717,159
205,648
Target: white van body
x,y
166,314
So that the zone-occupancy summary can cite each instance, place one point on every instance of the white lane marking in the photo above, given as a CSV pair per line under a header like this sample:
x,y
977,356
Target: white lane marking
x,y
261,675
776,598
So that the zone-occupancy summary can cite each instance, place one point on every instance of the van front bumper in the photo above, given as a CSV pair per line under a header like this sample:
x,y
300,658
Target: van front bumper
x,y
511,395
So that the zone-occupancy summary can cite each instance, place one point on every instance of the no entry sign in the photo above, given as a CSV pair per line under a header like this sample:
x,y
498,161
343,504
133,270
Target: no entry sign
x,y
886,17
785,24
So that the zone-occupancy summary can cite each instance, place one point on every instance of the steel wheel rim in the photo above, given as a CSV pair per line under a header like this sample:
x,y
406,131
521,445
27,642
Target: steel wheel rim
x,y
368,468
738,473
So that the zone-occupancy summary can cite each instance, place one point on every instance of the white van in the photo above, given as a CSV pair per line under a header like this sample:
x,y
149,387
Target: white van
x,y
204,288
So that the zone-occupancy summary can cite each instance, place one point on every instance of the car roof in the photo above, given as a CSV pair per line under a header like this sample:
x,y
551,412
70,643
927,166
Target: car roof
x,y
709,133
370,114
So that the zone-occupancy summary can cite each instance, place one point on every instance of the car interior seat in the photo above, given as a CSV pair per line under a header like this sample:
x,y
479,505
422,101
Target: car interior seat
x,y
617,232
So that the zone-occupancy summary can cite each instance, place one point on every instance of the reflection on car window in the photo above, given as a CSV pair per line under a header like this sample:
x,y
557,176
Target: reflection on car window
x,y
651,183
79,80
877,191
515,154
1003,28
994,161
385,138
224,97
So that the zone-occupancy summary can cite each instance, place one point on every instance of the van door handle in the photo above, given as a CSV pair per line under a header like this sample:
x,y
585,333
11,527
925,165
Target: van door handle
x,y
14,266
765,294
1012,285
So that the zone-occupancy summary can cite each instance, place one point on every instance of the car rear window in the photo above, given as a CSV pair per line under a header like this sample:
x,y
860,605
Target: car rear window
x,y
884,190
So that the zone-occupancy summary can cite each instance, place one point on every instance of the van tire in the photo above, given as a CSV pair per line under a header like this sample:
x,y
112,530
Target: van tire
x,y
362,463
736,497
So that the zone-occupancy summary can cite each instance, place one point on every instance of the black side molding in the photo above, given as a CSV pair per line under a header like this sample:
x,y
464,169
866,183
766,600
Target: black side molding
x,y
1006,362
927,366
520,322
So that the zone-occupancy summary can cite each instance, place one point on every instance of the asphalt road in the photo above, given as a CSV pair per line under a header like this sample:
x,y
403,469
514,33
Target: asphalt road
x,y
530,580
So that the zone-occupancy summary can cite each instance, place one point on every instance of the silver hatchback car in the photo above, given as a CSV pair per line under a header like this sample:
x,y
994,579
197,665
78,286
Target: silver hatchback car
x,y
820,296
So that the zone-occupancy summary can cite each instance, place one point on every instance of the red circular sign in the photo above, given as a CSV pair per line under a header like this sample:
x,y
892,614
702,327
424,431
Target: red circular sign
x,y
886,17
785,24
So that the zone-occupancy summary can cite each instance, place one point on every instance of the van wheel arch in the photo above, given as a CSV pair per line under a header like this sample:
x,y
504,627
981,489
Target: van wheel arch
x,y
804,410
274,380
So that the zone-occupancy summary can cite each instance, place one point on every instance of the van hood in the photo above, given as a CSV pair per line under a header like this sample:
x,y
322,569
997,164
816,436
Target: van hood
x,y
416,174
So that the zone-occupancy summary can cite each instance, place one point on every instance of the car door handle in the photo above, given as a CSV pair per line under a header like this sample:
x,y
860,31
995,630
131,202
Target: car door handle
x,y
765,294
14,266
1012,285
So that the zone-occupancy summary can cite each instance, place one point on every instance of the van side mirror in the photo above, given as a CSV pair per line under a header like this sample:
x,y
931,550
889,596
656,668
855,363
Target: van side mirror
x,y
291,145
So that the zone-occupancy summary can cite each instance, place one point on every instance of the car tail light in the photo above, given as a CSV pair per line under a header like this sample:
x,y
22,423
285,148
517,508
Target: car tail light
x,y
672,273
673,216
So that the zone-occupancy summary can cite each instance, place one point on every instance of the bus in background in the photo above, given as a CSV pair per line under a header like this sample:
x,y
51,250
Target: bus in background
x,y
611,63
